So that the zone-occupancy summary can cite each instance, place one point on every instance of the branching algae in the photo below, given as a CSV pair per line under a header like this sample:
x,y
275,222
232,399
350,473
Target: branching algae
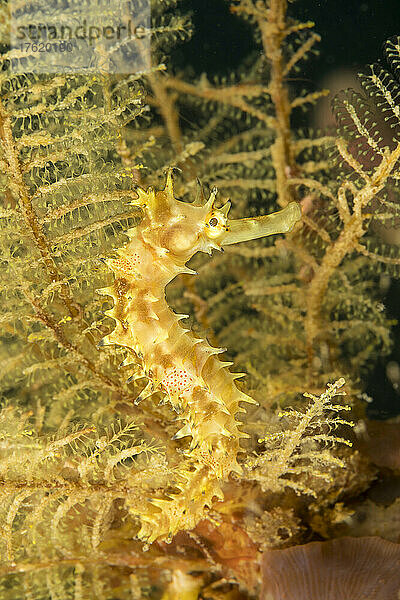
x,y
124,470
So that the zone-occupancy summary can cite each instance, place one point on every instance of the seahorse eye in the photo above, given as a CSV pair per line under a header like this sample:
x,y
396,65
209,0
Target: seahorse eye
x,y
215,224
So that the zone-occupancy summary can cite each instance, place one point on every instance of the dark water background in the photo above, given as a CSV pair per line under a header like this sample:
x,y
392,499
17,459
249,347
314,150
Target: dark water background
x,y
352,34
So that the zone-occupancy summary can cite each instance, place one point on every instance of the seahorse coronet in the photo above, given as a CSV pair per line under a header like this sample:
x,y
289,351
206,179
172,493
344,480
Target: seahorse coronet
x,y
186,369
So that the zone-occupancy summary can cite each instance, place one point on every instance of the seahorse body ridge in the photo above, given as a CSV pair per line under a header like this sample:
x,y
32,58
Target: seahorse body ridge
x,y
184,368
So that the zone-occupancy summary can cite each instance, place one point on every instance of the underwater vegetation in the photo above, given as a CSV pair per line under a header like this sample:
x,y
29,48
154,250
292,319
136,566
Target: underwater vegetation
x,y
135,463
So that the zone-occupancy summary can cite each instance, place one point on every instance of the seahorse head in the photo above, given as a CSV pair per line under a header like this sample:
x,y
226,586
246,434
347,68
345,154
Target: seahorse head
x,y
182,229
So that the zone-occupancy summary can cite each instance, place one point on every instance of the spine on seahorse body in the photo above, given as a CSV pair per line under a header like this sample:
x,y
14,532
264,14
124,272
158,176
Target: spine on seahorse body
x,y
184,368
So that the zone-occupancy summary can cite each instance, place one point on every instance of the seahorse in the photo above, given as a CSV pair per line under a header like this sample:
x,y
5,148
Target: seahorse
x,y
184,368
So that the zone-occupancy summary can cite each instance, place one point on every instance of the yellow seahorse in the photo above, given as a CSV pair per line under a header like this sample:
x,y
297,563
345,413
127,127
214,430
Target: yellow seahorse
x,y
198,385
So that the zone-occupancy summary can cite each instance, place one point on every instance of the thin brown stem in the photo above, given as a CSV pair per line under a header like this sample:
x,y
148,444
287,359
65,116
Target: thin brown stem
x,y
71,348
165,103
273,32
28,213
